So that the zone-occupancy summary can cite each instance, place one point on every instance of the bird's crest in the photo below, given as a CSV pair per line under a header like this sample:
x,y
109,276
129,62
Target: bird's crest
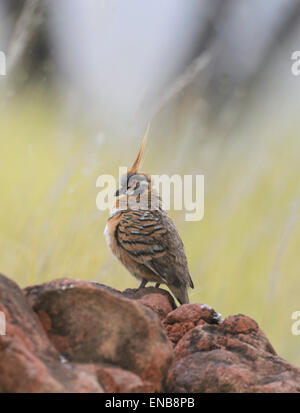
x,y
137,163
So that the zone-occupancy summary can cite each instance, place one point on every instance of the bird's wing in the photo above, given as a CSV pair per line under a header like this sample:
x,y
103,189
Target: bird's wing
x,y
150,238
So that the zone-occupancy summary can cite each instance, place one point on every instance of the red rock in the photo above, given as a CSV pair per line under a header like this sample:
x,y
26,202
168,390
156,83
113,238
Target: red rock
x,y
186,317
234,332
158,300
85,337
29,362
90,323
239,324
232,356
116,380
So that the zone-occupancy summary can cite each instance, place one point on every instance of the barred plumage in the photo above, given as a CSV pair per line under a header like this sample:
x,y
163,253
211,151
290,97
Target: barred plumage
x,y
146,240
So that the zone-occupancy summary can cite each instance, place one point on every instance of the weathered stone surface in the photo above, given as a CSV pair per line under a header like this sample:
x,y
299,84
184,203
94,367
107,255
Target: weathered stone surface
x,y
232,356
89,323
117,380
28,360
78,336
158,300
234,332
180,321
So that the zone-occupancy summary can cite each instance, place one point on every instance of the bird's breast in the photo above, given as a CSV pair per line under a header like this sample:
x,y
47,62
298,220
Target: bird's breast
x,y
109,233
106,234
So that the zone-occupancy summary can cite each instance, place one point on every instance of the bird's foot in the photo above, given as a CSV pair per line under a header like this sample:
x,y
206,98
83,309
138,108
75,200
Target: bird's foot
x,y
142,284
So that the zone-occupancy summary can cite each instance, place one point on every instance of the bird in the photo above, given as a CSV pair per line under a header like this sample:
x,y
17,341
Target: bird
x,y
142,235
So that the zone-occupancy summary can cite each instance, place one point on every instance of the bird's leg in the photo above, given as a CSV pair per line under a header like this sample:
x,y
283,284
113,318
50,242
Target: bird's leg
x,y
143,284
157,285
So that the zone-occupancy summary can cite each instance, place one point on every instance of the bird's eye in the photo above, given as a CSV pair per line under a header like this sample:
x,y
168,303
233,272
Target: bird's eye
x,y
133,185
131,182
136,185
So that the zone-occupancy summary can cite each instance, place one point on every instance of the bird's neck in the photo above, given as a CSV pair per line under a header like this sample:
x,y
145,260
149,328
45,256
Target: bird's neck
x,y
149,200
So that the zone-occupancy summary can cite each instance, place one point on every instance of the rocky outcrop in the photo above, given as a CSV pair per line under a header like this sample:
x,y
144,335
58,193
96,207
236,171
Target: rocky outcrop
x,y
230,356
158,300
185,318
29,362
78,336
89,323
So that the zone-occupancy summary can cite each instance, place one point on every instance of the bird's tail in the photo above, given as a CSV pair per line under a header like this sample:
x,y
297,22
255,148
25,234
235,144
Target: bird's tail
x,y
180,293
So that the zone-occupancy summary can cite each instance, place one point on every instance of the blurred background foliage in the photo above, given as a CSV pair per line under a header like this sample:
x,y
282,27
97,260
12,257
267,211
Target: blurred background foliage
x,y
214,78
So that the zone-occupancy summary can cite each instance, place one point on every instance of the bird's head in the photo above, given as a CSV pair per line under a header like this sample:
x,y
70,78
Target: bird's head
x,y
136,186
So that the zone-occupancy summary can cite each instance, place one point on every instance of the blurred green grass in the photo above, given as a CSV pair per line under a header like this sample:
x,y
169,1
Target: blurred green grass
x,y
243,255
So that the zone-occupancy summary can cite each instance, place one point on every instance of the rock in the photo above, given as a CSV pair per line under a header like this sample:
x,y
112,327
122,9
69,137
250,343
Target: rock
x,y
89,323
29,362
180,321
232,333
231,356
78,336
117,380
158,300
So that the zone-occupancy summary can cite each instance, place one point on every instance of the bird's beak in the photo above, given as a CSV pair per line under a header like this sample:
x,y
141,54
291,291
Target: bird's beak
x,y
120,191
